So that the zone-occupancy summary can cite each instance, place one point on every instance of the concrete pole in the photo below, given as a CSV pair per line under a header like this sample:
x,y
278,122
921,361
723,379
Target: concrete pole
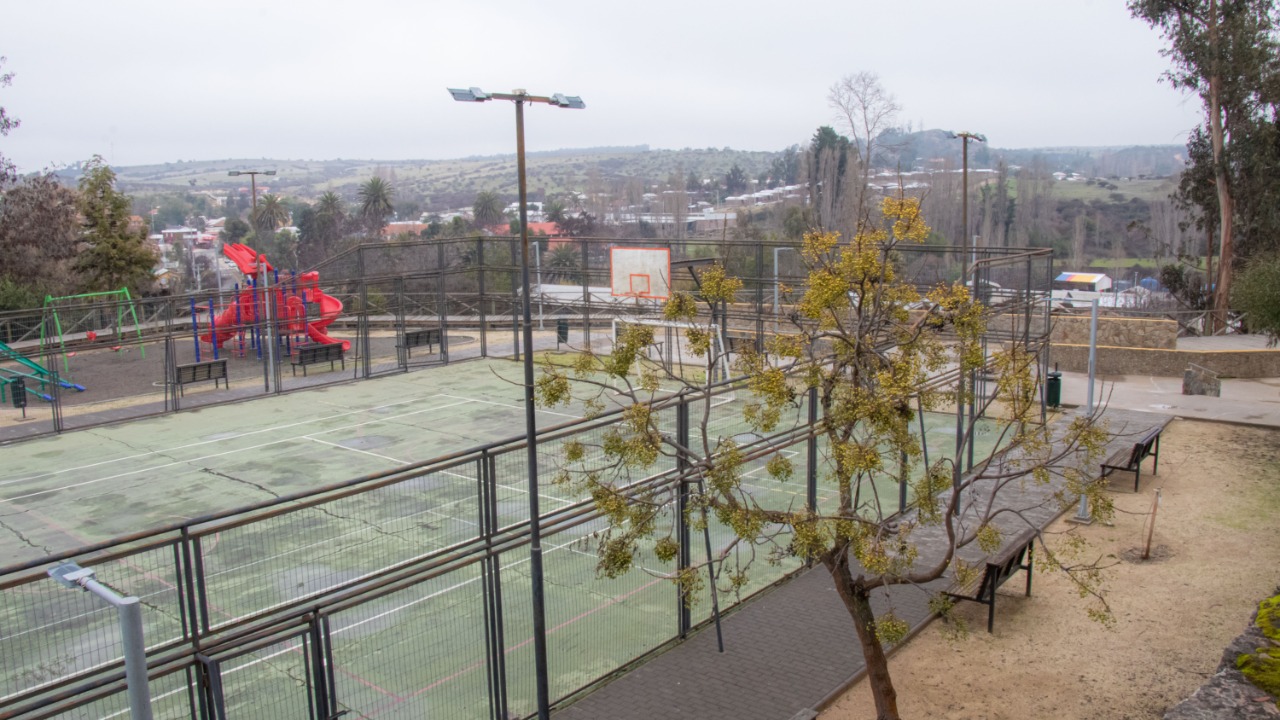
x,y
1093,352
1082,512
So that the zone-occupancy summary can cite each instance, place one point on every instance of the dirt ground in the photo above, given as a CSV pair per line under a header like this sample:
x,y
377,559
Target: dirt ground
x,y
1216,554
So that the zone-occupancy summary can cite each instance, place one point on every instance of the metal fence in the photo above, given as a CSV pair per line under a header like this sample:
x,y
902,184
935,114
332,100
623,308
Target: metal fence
x,y
410,305
404,593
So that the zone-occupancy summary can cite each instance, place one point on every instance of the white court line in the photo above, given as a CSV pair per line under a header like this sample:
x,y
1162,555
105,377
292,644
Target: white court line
x,y
509,487
515,407
365,452
221,454
175,448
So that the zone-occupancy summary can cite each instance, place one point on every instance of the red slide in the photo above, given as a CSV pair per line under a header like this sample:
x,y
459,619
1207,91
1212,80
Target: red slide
x,y
243,310
330,309
226,324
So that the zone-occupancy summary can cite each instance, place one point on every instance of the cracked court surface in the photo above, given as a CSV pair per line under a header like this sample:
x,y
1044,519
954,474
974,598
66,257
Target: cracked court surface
x,y
84,487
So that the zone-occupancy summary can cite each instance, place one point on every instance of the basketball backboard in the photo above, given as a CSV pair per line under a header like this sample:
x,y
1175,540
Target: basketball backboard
x,y
640,272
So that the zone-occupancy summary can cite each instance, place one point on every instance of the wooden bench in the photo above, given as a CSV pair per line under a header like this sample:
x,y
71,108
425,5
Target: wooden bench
x,y
1015,556
312,354
214,370
417,338
741,344
1130,459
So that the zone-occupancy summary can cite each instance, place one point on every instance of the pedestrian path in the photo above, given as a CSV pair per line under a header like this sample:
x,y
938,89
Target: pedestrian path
x,y
791,647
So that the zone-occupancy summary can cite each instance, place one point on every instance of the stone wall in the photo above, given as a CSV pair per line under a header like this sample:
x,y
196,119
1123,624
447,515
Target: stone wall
x,y
1167,363
1117,332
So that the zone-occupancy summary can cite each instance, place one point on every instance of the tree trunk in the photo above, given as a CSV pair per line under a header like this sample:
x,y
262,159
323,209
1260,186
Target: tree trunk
x,y
857,600
1217,131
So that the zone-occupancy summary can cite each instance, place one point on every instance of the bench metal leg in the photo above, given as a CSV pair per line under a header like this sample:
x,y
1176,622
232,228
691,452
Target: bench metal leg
x,y
1030,564
991,612
1155,465
1137,475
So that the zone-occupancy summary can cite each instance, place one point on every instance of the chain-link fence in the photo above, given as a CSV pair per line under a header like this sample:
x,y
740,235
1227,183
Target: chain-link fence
x,y
408,593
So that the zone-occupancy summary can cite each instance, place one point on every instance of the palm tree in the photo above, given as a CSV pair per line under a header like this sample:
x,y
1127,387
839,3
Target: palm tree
x,y
554,210
487,210
563,263
375,204
331,206
270,215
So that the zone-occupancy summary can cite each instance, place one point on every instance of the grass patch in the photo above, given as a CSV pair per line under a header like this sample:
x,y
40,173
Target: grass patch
x,y
1114,263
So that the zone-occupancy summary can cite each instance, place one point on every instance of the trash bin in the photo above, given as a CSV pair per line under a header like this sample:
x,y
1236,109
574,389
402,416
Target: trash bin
x,y
562,332
1053,389
18,386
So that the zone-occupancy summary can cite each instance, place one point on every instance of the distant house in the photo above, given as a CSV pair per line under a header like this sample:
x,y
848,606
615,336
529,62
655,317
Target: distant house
x,y
393,229
184,236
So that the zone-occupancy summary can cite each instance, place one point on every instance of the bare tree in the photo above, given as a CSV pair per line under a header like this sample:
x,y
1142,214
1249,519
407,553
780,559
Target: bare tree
x,y
866,109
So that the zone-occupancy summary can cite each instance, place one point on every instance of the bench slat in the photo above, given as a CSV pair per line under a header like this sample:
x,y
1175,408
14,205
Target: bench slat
x,y
214,370
1148,446
999,568
313,354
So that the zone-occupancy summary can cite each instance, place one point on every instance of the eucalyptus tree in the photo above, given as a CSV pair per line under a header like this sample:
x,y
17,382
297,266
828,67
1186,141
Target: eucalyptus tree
x,y
1223,51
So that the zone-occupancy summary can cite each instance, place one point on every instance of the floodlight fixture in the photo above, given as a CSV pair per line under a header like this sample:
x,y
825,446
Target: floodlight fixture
x,y
572,102
474,94
70,575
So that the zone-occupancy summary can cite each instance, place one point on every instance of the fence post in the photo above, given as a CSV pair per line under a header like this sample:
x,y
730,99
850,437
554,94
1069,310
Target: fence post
x,y
515,302
586,294
682,513
484,332
491,588
811,450
443,300
759,343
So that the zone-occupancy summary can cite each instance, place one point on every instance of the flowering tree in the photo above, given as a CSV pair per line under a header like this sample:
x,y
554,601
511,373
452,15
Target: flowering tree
x,y
874,350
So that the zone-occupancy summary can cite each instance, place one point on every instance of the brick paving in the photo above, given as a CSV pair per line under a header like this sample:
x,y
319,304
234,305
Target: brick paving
x,y
789,648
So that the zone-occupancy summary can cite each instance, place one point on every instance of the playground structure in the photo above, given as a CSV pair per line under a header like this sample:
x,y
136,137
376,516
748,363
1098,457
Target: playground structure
x,y
14,379
122,304
290,314
397,307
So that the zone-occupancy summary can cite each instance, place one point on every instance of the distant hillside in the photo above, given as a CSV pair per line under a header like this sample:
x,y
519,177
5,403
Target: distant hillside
x,y
438,185
442,184
921,149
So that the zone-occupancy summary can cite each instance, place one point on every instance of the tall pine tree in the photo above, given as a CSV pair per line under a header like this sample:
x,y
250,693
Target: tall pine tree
x,y
116,256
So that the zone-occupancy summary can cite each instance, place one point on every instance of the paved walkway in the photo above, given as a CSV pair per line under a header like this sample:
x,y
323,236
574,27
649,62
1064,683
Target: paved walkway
x,y
786,650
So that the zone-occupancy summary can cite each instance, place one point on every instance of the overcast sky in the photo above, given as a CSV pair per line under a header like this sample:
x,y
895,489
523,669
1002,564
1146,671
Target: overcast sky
x,y
143,81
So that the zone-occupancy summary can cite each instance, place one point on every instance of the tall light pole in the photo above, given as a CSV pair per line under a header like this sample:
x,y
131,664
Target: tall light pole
x,y
961,435
520,97
265,283
965,138
253,181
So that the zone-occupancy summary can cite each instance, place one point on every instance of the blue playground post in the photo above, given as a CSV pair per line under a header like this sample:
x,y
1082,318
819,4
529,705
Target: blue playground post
x,y
257,316
278,291
213,327
195,328
239,321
